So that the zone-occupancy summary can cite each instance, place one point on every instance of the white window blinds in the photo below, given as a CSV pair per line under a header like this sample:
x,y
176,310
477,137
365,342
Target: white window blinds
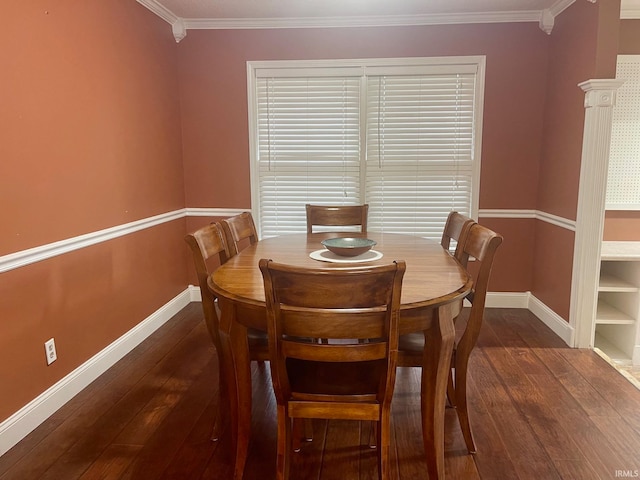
x,y
419,151
309,147
401,138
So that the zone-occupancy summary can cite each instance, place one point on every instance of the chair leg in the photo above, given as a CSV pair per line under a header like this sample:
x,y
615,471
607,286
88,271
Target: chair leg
x,y
302,429
461,406
451,392
296,434
216,431
373,434
383,429
283,455
222,414
308,430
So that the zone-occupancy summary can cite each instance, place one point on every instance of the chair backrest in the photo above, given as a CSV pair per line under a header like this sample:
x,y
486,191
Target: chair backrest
x,y
481,244
457,229
305,304
337,215
209,250
240,230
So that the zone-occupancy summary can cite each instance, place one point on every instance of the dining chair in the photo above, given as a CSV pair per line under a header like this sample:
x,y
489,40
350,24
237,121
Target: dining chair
x,y
345,378
337,216
481,244
210,250
240,231
456,229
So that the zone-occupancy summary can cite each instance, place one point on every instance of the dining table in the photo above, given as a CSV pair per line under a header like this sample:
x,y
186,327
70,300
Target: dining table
x,y
433,288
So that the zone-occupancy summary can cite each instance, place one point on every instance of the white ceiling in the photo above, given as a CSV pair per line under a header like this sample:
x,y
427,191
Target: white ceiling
x,y
335,8
211,14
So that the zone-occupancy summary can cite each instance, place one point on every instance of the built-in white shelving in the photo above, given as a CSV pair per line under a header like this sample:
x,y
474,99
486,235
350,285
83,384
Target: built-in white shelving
x,y
618,312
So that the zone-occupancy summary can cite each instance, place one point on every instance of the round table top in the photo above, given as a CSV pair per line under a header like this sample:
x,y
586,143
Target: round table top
x,y
433,277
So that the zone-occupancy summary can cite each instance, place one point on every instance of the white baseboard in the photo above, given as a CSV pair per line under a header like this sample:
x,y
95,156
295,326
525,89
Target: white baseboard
x,y
194,294
21,423
551,319
507,300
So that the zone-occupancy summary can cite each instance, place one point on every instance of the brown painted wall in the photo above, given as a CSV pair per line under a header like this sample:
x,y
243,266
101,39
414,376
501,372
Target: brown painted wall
x,y
216,151
215,130
580,50
90,139
622,225
629,42
625,225
101,108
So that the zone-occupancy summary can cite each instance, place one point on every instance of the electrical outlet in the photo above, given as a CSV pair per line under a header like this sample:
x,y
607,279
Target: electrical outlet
x,y
50,351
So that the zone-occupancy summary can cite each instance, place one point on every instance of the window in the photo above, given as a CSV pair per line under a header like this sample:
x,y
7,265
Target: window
x,y
402,135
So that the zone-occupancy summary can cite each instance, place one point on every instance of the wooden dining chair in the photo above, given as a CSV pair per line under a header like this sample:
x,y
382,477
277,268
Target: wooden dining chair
x,y
348,379
337,216
240,231
210,250
456,229
481,244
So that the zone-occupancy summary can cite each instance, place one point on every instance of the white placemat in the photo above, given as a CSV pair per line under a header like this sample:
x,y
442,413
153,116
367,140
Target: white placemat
x,y
325,255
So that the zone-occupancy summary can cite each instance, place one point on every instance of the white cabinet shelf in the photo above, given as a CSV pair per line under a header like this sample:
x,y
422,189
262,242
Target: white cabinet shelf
x,y
608,314
618,311
611,283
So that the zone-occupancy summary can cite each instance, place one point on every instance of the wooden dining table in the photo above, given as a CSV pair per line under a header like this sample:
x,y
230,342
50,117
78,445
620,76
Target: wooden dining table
x,y
433,288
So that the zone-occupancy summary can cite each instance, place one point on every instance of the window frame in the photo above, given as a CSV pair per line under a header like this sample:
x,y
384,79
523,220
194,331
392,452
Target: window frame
x,y
402,65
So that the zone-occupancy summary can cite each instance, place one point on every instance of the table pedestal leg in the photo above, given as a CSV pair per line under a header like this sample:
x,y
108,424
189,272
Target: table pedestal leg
x,y
435,373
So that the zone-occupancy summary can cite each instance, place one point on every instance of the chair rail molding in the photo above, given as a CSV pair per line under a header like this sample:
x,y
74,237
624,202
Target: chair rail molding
x,y
600,97
536,214
43,252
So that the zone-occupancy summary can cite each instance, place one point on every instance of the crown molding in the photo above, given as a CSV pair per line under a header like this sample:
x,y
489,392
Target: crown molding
x,y
160,10
548,16
360,21
179,26
630,9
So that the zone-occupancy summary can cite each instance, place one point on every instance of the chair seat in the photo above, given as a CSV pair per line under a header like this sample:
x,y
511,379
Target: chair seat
x,y
258,345
257,338
411,343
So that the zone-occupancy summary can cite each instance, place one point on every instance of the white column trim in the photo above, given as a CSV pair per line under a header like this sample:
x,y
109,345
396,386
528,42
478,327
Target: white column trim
x,y
600,96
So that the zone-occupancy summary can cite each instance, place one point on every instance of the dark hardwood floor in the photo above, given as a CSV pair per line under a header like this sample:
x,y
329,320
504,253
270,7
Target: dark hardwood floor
x,y
540,410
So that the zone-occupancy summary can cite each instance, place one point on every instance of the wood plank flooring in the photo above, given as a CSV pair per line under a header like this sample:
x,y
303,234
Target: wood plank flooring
x,y
539,410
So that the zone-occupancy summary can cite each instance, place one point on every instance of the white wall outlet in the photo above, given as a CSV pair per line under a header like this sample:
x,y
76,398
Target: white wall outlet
x,y
50,350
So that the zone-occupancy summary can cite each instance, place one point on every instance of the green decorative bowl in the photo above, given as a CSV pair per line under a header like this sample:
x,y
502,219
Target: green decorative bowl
x,y
348,246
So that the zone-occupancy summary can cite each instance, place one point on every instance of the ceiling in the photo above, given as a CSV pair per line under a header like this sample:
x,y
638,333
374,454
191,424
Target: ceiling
x,y
211,14
336,8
